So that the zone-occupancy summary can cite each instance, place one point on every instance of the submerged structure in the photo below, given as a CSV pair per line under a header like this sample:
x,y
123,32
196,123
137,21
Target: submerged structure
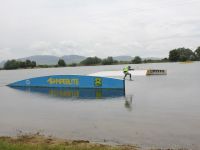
x,y
73,86
119,73
74,93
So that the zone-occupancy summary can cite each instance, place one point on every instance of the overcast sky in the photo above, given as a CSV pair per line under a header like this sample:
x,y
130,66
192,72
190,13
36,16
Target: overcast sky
x,y
97,27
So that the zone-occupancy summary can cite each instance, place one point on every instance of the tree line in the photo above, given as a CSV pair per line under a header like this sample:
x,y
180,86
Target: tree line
x,y
90,61
175,55
15,64
184,54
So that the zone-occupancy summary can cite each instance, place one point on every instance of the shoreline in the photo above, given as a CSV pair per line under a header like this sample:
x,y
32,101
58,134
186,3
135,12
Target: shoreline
x,y
53,66
41,142
38,141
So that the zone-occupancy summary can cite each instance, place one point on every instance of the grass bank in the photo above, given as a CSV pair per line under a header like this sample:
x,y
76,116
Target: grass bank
x,y
39,142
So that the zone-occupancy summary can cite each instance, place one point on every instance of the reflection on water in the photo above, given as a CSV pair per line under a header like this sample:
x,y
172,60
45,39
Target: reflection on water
x,y
164,111
75,93
78,93
128,102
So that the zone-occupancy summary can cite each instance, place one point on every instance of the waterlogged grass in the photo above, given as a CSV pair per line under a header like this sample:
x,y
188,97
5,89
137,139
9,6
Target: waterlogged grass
x,y
38,142
20,146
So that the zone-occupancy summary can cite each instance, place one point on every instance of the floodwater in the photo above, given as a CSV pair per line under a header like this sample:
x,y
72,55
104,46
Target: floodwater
x,y
157,111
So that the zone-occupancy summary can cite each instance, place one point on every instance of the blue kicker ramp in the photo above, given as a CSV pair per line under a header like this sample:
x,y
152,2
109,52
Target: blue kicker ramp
x,y
71,81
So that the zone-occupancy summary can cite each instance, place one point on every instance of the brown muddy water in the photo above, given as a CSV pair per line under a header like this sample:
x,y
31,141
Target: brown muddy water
x,y
157,111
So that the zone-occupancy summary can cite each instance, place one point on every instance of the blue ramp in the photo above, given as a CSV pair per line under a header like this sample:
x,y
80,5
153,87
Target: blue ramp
x,y
71,81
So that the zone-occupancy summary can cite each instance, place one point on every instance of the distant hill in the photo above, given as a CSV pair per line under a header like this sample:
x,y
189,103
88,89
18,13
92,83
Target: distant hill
x,y
51,60
129,58
152,58
42,59
73,58
2,64
123,58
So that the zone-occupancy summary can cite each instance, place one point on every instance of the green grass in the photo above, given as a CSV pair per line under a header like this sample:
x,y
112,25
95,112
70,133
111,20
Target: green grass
x,y
4,145
39,142
43,143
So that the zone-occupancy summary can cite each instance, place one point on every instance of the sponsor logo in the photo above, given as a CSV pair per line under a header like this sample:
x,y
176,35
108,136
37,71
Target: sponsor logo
x,y
98,82
63,93
28,82
63,81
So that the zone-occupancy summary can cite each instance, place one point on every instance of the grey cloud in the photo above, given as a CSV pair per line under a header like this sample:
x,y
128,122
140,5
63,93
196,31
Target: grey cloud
x,y
91,27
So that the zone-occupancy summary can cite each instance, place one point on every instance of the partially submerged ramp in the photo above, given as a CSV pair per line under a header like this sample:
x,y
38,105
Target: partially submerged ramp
x,y
118,73
71,81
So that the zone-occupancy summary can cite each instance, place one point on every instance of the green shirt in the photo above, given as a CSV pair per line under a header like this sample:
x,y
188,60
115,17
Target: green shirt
x,y
126,69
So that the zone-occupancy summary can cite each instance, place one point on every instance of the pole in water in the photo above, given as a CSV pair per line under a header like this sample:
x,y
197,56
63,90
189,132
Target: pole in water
x,y
124,87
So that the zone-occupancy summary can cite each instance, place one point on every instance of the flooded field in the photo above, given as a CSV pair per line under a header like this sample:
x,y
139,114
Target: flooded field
x,y
157,111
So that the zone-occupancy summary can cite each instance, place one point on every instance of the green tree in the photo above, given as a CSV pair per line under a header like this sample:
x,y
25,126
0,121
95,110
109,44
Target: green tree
x,y
181,54
28,63
109,61
61,63
186,54
174,55
91,61
197,53
22,64
14,64
164,60
73,65
11,64
136,60
33,64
